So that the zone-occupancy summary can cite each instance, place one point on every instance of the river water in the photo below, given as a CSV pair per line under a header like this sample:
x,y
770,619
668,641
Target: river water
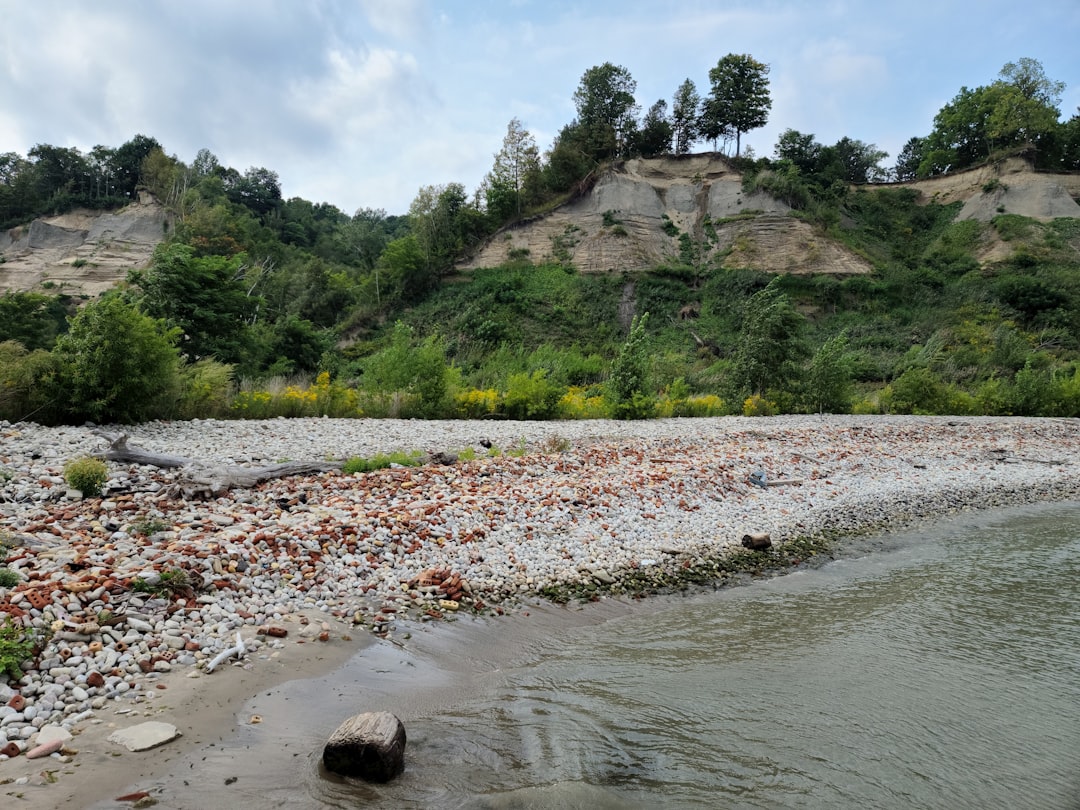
x,y
937,668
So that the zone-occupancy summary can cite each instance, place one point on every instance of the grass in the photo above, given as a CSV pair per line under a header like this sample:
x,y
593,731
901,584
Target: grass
x,y
381,461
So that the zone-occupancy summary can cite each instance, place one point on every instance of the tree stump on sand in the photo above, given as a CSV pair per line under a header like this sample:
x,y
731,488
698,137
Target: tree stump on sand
x,y
756,542
370,746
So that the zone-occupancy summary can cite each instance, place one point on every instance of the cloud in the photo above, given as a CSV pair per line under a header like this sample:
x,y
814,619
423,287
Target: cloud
x,y
362,92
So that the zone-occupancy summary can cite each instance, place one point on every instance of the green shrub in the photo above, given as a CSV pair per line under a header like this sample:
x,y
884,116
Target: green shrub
x,y
16,646
88,475
24,382
629,381
531,396
116,365
9,578
206,390
918,390
757,405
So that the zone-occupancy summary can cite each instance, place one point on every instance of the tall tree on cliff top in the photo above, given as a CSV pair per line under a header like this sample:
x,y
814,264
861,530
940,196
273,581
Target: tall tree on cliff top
x,y
607,111
684,116
515,172
1019,108
739,100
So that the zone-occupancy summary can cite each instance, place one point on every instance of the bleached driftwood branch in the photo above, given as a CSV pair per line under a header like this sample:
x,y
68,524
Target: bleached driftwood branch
x,y
238,650
200,478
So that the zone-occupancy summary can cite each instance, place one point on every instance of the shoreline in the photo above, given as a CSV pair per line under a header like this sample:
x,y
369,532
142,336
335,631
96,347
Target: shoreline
x,y
628,508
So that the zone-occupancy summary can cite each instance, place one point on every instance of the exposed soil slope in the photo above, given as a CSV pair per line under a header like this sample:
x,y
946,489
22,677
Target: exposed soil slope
x,y
81,252
623,222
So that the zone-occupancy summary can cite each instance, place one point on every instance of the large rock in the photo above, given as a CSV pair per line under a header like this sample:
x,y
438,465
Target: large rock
x,y
370,746
145,736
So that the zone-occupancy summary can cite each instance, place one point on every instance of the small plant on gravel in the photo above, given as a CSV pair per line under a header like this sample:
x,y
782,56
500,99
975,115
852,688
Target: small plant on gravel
x,y
150,526
554,445
521,449
88,475
381,461
173,581
16,645
466,454
9,578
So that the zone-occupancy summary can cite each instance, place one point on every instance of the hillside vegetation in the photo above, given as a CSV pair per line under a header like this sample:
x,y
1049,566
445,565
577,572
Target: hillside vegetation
x,y
618,274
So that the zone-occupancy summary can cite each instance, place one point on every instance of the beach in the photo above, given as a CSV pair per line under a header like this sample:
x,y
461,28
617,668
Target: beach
x,y
309,569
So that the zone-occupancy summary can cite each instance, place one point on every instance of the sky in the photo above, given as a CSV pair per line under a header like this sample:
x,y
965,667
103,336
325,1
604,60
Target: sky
x,y
360,103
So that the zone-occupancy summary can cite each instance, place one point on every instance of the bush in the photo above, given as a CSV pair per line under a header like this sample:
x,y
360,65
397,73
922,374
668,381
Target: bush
x,y
16,646
583,403
628,383
206,390
531,396
9,578
416,371
917,390
116,365
477,403
24,384
757,405
88,475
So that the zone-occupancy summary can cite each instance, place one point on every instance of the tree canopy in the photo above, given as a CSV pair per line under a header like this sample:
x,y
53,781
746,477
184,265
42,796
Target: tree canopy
x,y
739,99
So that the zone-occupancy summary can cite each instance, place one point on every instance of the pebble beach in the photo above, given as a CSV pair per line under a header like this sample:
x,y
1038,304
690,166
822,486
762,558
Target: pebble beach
x,y
141,587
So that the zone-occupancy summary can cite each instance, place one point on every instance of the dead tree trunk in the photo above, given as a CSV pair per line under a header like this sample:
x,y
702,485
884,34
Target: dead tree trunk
x,y
201,479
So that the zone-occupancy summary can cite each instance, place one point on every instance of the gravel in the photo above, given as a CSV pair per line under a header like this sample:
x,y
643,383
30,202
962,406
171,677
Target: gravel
x,y
141,581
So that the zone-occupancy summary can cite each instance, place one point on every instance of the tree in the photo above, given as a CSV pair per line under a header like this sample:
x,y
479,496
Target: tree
x,y
439,218
855,161
607,111
257,189
684,117
800,149
116,364
516,171
414,367
829,382
628,385
739,100
62,176
32,319
654,137
769,342
203,297
1028,77
909,159
1019,109
127,161
568,160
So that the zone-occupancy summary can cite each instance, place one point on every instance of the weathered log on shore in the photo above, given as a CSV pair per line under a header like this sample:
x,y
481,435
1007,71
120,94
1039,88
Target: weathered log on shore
x,y
757,542
370,746
200,479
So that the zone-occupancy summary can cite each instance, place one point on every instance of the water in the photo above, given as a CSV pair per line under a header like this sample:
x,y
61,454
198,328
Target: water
x,y
939,669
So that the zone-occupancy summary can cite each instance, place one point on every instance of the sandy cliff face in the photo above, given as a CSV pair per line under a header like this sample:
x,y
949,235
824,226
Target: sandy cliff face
x,y
633,218
626,221
81,252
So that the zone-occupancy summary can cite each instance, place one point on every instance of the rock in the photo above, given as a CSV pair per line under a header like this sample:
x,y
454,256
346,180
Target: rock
x,y
756,542
370,746
139,625
49,734
44,749
145,736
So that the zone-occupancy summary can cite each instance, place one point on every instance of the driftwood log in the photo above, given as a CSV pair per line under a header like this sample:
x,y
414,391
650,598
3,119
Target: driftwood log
x,y
757,541
201,479
370,746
